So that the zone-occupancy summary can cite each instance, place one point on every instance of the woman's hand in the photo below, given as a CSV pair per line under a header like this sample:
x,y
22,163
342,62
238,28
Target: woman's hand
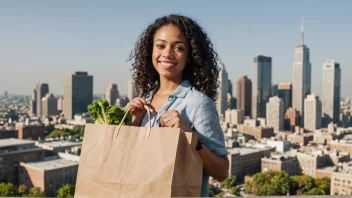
x,y
137,110
173,119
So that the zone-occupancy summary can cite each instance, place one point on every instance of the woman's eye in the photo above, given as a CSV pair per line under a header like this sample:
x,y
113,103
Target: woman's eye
x,y
160,46
179,48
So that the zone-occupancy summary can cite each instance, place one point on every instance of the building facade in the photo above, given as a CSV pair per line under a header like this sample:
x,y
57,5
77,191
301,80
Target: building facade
x,y
275,113
291,119
48,174
14,151
244,95
33,132
234,116
285,93
221,102
262,85
42,90
112,93
312,111
331,92
78,93
49,105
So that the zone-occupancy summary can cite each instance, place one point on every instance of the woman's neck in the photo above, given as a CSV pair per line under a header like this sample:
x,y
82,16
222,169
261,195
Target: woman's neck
x,y
168,86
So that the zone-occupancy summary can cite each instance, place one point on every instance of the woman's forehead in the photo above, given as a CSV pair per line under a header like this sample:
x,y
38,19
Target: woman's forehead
x,y
169,33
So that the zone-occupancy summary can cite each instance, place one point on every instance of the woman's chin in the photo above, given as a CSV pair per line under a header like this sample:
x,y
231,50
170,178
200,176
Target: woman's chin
x,y
168,75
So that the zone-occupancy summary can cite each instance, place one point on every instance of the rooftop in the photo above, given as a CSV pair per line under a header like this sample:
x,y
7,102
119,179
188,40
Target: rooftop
x,y
50,164
57,144
14,142
344,168
246,150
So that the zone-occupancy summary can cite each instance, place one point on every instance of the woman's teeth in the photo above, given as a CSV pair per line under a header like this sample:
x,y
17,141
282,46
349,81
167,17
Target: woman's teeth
x,y
168,64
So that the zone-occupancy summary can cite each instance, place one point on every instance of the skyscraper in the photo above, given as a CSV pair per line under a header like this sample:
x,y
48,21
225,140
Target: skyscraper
x,y
221,102
230,88
60,105
331,92
244,95
262,85
275,90
78,93
132,90
112,93
275,113
291,119
42,90
285,93
312,111
49,105
33,103
301,77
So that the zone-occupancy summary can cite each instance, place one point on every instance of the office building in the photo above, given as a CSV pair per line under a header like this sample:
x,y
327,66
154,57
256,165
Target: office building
x,y
49,105
312,111
42,89
262,85
275,113
244,95
78,93
112,93
331,92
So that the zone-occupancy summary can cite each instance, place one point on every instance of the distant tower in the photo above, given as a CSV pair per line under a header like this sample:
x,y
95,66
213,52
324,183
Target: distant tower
x,y
312,111
112,93
301,76
262,85
331,92
275,113
78,93
132,90
42,90
60,105
244,95
285,93
49,105
33,103
221,102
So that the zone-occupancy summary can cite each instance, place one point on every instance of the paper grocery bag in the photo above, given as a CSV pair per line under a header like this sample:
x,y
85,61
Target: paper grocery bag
x,y
138,162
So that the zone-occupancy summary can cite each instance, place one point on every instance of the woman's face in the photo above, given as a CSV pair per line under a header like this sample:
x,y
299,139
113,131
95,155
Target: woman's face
x,y
170,51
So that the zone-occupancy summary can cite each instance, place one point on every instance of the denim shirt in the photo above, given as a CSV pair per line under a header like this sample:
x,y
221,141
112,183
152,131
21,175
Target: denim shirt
x,y
199,111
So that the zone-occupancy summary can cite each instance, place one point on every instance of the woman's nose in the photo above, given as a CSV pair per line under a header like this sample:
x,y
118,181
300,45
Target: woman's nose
x,y
167,52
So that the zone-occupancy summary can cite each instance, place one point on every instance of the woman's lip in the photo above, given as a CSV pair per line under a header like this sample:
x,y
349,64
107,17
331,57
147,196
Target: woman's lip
x,y
167,62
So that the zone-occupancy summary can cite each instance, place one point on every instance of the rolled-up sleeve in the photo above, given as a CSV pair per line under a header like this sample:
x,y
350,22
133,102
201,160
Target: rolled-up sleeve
x,y
207,124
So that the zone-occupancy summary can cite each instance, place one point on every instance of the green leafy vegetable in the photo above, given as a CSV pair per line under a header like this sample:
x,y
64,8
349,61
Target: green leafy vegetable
x,y
102,113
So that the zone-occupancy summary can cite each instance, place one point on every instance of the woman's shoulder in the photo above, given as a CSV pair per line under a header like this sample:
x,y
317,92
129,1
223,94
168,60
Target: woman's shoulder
x,y
199,98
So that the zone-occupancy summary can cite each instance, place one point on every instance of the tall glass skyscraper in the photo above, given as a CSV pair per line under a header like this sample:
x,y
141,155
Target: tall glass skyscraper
x,y
262,85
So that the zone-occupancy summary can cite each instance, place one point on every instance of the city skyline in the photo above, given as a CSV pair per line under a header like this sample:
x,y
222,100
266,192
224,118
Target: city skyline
x,y
46,46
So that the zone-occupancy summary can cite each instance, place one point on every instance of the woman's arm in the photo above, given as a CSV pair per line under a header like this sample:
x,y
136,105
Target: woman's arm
x,y
215,165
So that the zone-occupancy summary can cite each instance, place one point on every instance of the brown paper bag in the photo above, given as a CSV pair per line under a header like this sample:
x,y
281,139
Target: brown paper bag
x,y
127,161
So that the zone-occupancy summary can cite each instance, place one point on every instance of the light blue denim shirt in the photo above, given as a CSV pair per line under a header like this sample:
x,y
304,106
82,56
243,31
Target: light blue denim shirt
x,y
199,111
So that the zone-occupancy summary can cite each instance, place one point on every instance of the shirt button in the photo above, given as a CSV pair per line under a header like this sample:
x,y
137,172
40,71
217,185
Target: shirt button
x,y
171,97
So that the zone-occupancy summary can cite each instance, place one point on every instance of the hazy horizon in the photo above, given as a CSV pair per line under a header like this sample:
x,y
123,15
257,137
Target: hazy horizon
x,y
41,41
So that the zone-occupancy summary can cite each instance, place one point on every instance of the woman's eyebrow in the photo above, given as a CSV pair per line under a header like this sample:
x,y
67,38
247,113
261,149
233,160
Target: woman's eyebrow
x,y
176,42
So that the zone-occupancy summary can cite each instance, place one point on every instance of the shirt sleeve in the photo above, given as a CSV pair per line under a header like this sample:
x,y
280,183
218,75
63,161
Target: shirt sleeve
x,y
207,125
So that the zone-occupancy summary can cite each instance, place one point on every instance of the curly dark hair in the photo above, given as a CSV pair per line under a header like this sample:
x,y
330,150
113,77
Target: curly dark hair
x,y
201,68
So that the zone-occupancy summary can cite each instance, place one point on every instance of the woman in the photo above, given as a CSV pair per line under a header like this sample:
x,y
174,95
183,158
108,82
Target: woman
x,y
175,67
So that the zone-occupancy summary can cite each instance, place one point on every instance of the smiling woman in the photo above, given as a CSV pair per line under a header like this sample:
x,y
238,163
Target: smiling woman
x,y
175,68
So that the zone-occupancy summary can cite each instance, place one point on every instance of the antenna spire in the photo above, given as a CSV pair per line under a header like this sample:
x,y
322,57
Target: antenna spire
x,y
302,33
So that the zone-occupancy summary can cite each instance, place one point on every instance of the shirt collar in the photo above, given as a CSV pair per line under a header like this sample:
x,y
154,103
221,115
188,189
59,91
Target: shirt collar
x,y
180,92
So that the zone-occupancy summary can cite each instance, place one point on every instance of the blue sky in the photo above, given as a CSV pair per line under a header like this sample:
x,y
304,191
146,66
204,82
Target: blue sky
x,y
44,40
